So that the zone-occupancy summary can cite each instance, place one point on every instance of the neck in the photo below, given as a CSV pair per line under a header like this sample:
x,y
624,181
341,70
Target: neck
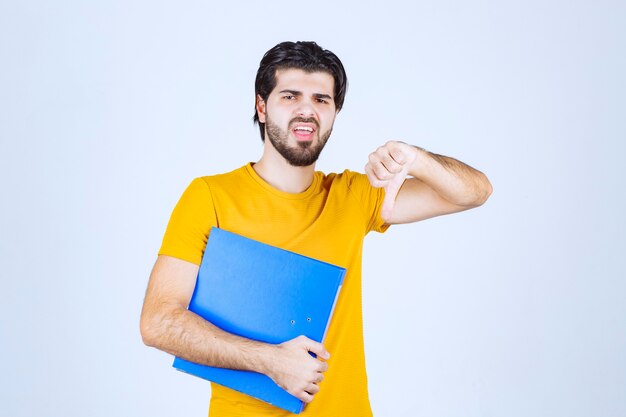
x,y
278,173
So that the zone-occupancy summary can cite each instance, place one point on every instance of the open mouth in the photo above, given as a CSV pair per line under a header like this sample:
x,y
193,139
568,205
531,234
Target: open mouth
x,y
304,131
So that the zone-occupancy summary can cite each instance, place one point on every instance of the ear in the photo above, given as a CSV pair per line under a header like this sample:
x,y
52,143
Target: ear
x,y
260,108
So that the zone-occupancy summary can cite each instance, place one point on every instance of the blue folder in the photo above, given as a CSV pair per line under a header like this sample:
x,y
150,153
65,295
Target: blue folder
x,y
263,293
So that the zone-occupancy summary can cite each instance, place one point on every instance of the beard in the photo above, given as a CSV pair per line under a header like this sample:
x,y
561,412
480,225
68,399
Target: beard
x,y
304,153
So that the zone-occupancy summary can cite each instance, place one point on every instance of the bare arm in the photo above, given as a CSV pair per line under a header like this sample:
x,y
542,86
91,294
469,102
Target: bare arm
x,y
438,184
167,325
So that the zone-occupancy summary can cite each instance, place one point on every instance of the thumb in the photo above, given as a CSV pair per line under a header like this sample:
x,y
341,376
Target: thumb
x,y
391,192
317,348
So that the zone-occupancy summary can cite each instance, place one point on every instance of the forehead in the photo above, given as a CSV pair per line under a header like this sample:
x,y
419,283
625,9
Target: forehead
x,y
307,82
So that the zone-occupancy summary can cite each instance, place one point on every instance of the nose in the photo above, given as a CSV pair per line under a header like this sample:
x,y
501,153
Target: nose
x,y
305,109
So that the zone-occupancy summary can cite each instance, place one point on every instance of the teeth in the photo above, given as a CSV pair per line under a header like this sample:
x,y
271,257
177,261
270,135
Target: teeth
x,y
308,129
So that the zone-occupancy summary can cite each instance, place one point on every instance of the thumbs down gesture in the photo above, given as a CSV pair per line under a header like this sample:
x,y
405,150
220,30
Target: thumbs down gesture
x,y
387,168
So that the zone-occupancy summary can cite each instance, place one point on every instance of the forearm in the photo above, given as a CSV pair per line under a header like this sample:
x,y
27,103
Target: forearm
x,y
167,325
182,333
453,180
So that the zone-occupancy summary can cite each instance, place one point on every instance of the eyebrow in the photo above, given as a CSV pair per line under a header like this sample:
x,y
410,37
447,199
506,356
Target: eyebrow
x,y
299,93
326,96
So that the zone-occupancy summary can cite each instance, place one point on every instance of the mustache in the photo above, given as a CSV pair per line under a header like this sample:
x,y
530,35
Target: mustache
x,y
304,120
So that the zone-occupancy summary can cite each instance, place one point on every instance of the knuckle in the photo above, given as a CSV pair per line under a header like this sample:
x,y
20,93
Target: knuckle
x,y
399,157
381,173
397,168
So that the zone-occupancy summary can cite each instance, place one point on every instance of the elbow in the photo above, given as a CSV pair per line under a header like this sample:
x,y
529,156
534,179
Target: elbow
x,y
157,324
147,328
479,195
485,193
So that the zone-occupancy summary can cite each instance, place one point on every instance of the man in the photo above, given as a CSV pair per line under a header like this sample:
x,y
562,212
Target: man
x,y
281,200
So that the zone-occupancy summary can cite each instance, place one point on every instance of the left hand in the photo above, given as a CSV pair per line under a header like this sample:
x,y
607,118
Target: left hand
x,y
388,167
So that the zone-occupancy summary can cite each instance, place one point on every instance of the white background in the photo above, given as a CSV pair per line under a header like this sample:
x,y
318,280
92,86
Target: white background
x,y
109,109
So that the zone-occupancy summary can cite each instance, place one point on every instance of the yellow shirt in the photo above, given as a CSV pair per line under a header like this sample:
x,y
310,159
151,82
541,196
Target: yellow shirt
x,y
328,222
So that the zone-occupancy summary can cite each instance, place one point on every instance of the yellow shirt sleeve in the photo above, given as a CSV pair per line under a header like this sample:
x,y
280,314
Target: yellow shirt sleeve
x,y
188,229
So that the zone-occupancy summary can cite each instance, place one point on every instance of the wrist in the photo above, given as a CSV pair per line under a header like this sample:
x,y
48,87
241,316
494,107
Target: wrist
x,y
264,358
416,169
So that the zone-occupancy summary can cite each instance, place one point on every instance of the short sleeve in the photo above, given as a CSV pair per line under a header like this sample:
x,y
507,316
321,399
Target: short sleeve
x,y
370,199
188,229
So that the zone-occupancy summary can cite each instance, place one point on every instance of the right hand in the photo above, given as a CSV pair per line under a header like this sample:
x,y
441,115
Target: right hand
x,y
387,168
295,370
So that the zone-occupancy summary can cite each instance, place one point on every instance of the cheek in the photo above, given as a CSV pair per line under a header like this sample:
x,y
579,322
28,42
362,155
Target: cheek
x,y
329,119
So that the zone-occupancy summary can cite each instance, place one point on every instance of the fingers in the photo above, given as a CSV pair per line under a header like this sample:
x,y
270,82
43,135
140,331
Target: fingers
x,y
388,167
315,347
388,161
297,371
320,377
309,392
373,179
383,163
312,389
303,396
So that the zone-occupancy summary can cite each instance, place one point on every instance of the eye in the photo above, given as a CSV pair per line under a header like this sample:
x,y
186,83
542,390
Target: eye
x,y
322,100
289,97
